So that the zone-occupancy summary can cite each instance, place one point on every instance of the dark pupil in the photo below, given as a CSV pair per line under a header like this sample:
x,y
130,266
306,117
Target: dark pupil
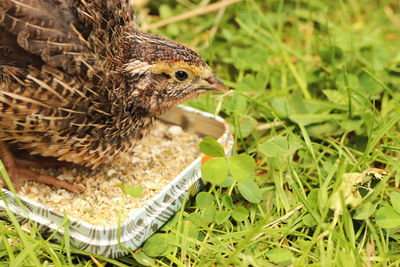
x,y
181,75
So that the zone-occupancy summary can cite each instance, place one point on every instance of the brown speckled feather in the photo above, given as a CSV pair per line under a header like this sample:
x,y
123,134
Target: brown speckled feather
x,y
80,82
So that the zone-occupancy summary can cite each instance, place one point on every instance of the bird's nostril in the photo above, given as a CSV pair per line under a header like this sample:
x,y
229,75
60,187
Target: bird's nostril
x,y
215,84
211,79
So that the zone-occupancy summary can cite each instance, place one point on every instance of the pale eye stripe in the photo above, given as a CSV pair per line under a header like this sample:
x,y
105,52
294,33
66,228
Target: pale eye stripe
x,y
137,67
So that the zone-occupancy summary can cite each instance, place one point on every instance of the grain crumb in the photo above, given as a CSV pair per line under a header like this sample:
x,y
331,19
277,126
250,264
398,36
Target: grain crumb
x,y
156,160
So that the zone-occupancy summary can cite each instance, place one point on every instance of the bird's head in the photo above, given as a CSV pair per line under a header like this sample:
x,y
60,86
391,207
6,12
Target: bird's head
x,y
164,73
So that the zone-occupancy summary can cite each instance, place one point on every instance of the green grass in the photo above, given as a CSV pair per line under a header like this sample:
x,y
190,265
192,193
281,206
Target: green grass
x,y
315,97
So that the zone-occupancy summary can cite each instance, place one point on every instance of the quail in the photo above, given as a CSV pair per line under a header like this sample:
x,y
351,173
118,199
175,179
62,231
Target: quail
x,y
79,82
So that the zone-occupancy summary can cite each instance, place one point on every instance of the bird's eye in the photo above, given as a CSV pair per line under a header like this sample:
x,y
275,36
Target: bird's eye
x,y
181,75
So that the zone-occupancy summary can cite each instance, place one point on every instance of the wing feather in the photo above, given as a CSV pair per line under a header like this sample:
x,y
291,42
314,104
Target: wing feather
x,y
55,61
73,35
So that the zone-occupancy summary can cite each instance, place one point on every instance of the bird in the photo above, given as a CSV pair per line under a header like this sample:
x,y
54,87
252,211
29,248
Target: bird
x,y
81,83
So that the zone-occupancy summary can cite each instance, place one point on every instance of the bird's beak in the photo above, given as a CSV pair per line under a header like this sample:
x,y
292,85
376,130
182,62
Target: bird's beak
x,y
212,83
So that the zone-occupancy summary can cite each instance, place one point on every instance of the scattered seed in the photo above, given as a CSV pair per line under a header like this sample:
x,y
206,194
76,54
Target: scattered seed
x,y
152,164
